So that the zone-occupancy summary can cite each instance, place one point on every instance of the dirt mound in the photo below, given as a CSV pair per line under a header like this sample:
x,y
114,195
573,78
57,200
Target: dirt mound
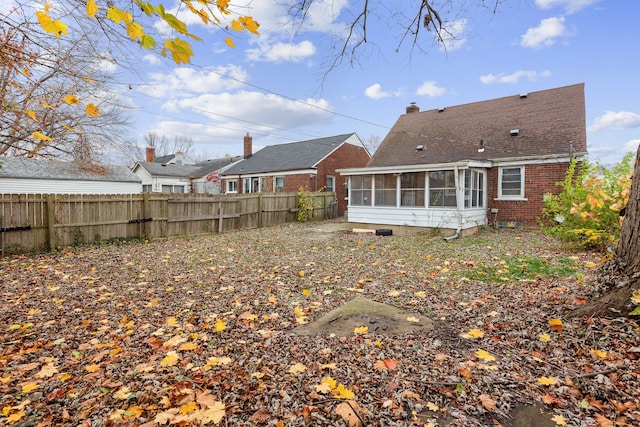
x,y
379,318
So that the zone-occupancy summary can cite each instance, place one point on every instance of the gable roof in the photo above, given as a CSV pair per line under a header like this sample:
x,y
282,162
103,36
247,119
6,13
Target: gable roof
x,y
549,123
290,156
50,169
186,171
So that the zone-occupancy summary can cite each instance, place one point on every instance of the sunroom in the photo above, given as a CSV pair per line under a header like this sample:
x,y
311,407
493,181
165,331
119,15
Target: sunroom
x,y
451,196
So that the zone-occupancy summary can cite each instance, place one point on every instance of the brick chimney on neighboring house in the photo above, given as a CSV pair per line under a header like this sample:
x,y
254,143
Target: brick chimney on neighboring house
x,y
151,154
248,146
413,108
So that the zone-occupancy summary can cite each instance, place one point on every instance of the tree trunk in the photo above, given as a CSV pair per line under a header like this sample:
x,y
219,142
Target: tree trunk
x,y
622,274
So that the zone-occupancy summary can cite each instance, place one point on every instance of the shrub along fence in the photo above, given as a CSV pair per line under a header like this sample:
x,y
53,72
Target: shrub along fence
x,y
41,222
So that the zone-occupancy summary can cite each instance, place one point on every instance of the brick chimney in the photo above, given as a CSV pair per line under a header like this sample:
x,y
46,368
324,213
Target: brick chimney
x,y
413,108
248,146
151,154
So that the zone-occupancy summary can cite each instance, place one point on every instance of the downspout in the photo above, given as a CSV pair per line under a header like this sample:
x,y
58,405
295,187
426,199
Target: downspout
x,y
458,210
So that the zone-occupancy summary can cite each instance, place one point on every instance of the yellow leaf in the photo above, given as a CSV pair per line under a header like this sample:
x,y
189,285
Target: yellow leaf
x,y
15,417
188,346
341,392
188,408
272,299
122,394
229,42
555,322
297,368
29,387
220,325
118,15
328,366
323,388
65,377
330,382
547,381
484,355
473,334
544,338
298,312
306,292
248,23
135,31
5,380
92,8
171,321
41,137
133,412
413,319
420,294
559,420
635,298
51,26
301,273
432,407
92,368
361,330
170,359
92,110
394,293
213,414
47,371
32,114
599,353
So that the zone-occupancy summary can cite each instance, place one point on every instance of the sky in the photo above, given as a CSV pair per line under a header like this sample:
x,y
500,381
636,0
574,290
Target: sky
x,y
281,87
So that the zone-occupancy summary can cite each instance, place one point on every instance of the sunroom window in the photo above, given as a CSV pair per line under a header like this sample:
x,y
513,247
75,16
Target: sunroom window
x,y
360,190
412,189
386,190
442,189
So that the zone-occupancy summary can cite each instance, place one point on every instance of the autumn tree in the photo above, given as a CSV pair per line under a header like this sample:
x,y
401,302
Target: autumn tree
x,y
53,75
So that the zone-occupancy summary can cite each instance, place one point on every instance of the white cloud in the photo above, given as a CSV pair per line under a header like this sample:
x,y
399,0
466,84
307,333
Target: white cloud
x,y
282,52
452,35
545,33
570,6
375,92
183,81
615,120
632,146
430,88
514,77
152,59
269,110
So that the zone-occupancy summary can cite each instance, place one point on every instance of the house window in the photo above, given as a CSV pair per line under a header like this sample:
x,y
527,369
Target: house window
x,y
254,185
386,190
442,189
147,188
173,189
360,190
232,186
412,189
331,183
473,189
511,182
278,184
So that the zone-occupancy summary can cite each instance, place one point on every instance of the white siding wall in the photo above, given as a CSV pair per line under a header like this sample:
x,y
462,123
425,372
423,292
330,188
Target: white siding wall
x,y
418,217
49,186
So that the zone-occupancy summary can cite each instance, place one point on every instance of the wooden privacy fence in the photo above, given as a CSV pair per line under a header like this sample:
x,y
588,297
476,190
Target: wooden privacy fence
x,y
41,222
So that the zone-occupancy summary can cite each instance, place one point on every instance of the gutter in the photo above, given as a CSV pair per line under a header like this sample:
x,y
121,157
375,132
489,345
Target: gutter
x,y
458,210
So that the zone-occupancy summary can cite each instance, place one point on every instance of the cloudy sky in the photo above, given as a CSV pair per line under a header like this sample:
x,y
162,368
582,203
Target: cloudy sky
x,y
284,85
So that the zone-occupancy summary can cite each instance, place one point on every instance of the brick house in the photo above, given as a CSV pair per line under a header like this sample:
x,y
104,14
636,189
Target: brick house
x,y
310,164
460,167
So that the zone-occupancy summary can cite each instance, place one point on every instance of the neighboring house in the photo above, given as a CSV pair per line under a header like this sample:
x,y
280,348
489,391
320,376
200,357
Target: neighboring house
x,y
461,167
308,164
179,173
22,175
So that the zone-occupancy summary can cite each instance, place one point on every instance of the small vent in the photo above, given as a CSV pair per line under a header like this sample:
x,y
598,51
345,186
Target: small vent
x,y
514,132
524,95
419,147
440,110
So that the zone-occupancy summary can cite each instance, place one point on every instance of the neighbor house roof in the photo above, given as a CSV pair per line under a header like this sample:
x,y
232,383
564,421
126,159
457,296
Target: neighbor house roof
x,y
50,169
538,124
290,156
187,171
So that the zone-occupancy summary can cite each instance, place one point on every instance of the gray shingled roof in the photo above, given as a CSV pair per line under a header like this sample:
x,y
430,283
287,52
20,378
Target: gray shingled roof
x,y
187,171
550,122
24,168
290,156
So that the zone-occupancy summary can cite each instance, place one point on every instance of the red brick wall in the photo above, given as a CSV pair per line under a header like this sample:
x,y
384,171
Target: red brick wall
x,y
539,179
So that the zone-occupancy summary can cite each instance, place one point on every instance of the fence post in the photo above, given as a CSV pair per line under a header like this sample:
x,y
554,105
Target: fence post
x,y
145,214
260,208
220,216
50,222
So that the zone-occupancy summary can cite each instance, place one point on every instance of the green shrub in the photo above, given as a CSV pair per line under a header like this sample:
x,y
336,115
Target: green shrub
x,y
587,211
305,205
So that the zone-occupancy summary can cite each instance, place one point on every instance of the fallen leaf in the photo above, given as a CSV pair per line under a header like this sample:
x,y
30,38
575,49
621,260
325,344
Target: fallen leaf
x,y
473,334
413,319
348,413
394,293
122,394
297,368
547,381
544,337
599,354
29,387
488,403
420,294
484,355
170,359
559,420
361,330
602,420
213,413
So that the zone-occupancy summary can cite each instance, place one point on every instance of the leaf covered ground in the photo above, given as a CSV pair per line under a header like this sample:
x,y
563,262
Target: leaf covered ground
x,y
199,331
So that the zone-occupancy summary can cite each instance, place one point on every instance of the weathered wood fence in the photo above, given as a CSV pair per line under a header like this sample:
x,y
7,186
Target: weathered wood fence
x,y
41,222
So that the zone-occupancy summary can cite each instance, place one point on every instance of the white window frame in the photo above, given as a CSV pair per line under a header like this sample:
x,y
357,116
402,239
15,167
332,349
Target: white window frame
x,y
331,187
278,188
477,182
503,196
231,186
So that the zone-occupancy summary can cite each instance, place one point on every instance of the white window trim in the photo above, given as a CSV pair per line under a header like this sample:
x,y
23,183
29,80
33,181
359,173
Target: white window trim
x,y
520,197
227,186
